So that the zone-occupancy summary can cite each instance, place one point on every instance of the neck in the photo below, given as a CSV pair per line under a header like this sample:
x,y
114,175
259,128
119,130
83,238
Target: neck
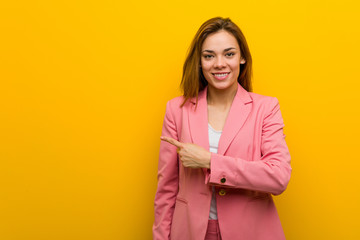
x,y
221,97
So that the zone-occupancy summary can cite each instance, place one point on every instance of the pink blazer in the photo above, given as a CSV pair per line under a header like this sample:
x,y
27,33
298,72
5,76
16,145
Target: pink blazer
x,y
252,164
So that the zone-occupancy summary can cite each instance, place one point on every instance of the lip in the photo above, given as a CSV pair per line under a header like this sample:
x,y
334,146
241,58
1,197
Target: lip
x,y
222,77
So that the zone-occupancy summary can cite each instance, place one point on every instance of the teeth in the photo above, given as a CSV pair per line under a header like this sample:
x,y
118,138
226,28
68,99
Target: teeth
x,y
221,75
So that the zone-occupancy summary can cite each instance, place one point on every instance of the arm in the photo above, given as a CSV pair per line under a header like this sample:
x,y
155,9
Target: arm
x,y
271,173
167,180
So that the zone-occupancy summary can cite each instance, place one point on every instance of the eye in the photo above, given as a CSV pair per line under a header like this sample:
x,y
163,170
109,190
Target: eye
x,y
230,54
208,56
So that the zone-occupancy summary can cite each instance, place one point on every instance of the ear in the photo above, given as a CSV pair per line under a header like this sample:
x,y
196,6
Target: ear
x,y
242,61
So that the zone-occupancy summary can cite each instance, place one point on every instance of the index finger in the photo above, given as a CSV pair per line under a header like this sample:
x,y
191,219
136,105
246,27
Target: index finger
x,y
171,141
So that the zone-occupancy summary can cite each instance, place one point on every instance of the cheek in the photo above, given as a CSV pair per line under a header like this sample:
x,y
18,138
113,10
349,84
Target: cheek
x,y
235,65
206,68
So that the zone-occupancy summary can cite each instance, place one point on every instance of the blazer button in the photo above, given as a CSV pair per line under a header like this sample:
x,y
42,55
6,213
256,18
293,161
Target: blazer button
x,y
223,180
222,192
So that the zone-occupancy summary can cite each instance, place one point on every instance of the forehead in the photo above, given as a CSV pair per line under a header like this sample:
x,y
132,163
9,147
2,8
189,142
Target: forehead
x,y
220,40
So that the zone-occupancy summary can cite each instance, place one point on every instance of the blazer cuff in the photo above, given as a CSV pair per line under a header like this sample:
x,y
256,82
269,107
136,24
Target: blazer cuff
x,y
217,175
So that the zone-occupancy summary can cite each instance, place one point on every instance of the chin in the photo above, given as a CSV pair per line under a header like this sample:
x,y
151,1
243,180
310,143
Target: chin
x,y
222,85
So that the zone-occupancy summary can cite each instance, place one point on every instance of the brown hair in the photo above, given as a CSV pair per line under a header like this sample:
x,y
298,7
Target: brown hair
x,y
193,80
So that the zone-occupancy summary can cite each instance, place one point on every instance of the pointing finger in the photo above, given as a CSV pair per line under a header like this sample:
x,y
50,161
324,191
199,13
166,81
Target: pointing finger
x,y
171,141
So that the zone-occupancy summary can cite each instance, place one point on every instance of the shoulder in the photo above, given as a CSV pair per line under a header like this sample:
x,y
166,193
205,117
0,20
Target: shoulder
x,y
173,106
175,103
263,100
264,103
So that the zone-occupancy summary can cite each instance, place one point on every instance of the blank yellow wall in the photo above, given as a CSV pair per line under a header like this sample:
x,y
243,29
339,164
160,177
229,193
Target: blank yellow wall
x,y
83,88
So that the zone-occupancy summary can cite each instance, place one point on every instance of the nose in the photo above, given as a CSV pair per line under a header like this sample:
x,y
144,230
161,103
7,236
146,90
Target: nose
x,y
220,62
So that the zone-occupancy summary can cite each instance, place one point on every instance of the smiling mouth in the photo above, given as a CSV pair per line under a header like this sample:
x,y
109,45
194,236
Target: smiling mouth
x,y
220,74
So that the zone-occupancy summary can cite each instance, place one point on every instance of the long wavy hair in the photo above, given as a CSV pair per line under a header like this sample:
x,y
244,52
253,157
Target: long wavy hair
x,y
193,80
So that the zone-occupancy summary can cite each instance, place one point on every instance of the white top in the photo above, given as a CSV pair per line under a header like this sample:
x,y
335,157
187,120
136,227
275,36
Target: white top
x,y
214,137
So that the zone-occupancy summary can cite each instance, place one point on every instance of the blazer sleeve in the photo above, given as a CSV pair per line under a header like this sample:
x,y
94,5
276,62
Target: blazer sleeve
x,y
168,174
271,173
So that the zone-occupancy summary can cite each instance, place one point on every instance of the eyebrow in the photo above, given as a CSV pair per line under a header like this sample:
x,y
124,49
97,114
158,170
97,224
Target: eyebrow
x,y
225,50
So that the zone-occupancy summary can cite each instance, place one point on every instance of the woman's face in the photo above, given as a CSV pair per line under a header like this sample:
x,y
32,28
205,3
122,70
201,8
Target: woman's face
x,y
221,59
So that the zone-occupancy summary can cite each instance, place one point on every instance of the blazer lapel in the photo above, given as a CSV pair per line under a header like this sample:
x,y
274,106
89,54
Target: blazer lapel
x,y
198,121
198,124
238,113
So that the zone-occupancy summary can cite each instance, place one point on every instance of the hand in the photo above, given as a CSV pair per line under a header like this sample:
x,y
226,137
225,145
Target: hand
x,y
191,155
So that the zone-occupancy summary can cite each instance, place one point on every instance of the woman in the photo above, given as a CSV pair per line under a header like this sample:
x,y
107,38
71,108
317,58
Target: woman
x,y
223,152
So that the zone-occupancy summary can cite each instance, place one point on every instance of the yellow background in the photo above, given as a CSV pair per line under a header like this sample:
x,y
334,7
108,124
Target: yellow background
x,y
83,88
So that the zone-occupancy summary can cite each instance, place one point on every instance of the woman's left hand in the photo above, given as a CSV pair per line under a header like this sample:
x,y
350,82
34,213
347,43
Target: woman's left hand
x,y
191,155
